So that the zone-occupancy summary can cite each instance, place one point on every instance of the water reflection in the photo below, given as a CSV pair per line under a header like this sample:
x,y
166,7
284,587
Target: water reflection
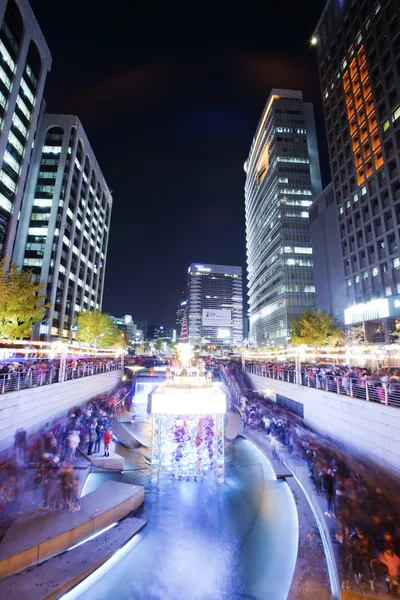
x,y
205,541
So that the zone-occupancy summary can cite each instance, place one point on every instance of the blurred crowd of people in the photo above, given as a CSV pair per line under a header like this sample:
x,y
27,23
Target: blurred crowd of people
x,y
383,384
363,512
45,465
43,371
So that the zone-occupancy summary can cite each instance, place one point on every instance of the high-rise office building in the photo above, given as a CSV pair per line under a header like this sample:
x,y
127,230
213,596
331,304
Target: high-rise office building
x,y
24,63
283,178
64,223
179,315
328,267
358,48
215,305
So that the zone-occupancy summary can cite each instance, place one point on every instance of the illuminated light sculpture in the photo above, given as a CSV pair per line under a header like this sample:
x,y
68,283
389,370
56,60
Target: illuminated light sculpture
x,y
185,354
188,430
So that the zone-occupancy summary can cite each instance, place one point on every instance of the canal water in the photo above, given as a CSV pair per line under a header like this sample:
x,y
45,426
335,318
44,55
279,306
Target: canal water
x,y
204,541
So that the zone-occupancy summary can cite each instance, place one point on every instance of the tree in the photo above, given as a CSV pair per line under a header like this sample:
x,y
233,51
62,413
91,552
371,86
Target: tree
x,y
159,345
21,302
315,328
354,336
95,327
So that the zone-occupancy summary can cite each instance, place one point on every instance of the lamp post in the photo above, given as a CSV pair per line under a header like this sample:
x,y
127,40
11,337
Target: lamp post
x,y
96,338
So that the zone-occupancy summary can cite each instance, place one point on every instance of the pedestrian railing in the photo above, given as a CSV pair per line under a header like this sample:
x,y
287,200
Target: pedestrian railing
x,y
20,380
385,392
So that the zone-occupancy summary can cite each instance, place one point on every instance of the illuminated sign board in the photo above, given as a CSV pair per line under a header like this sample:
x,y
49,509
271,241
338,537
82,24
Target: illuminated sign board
x,y
217,317
376,309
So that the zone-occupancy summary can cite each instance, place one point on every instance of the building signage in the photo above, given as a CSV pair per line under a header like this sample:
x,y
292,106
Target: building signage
x,y
370,311
217,317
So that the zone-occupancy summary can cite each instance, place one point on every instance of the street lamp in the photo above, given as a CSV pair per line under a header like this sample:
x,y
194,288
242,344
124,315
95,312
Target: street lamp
x,y
96,338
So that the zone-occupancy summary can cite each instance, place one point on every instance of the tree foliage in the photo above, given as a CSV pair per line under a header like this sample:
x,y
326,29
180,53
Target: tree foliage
x,y
315,328
21,302
95,327
159,345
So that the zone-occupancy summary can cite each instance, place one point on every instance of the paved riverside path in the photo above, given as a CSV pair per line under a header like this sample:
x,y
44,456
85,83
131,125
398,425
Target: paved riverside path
x,y
300,470
51,579
35,537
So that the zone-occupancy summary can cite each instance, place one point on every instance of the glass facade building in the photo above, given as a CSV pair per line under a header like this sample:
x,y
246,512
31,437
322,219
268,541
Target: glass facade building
x,y
328,268
282,180
215,305
358,51
24,63
64,223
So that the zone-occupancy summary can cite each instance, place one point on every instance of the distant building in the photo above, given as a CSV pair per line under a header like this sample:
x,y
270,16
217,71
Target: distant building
x,y
64,222
329,278
215,305
25,62
179,314
129,328
283,178
142,326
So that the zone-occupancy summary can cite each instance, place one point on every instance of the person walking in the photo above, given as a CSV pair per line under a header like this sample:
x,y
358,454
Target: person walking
x,y
98,438
92,439
107,440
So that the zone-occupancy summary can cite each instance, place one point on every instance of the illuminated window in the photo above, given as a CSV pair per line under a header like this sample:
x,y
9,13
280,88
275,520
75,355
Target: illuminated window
x,y
357,279
365,275
349,283
363,190
388,291
341,210
396,262
374,271
358,95
263,164
396,114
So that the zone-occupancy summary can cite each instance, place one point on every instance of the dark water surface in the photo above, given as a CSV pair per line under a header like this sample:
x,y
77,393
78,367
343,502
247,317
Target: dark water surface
x,y
204,541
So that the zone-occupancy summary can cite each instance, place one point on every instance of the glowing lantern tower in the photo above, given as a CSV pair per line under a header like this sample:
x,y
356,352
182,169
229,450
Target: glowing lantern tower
x,y
188,417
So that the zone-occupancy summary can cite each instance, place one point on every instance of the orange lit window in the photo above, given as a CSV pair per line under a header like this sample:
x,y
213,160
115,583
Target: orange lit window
x,y
360,103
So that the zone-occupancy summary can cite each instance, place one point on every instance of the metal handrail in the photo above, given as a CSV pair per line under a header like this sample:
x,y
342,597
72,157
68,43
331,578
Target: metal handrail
x,y
384,392
18,380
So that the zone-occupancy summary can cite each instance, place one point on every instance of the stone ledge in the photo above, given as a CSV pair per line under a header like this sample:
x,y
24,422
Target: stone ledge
x,y
58,575
36,537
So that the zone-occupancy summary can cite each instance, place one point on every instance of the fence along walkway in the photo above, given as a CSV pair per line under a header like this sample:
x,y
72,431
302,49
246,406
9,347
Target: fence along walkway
x,y
11,382
385,392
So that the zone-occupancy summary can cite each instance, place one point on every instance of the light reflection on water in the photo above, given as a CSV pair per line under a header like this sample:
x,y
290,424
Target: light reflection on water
x,y
208,542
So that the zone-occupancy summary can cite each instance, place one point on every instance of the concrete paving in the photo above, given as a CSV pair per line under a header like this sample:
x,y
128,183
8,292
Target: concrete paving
x,y
38,536
123,434
56,576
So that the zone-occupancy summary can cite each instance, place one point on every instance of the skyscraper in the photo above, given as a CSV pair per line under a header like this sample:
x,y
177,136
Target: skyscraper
x,y
64,223
24,62
215,305
283,178
328,267
358,49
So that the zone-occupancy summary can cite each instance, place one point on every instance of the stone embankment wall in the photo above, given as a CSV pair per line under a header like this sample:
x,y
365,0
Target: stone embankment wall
x,y
369,428
34,407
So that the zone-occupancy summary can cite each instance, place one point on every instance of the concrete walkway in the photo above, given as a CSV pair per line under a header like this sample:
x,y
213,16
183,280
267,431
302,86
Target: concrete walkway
x,y
52,579
319,505
38,536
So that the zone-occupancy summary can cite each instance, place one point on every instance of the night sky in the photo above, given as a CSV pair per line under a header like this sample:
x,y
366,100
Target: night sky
x,y
170,98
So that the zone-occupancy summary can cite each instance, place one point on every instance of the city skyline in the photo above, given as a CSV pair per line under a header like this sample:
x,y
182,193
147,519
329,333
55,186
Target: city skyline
x,y
197,119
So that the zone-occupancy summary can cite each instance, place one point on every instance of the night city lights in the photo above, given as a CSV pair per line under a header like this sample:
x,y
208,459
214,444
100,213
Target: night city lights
x,y
199,361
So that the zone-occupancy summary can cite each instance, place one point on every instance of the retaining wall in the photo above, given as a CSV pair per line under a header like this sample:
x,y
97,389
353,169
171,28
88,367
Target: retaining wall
x,y
34,407
369,428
